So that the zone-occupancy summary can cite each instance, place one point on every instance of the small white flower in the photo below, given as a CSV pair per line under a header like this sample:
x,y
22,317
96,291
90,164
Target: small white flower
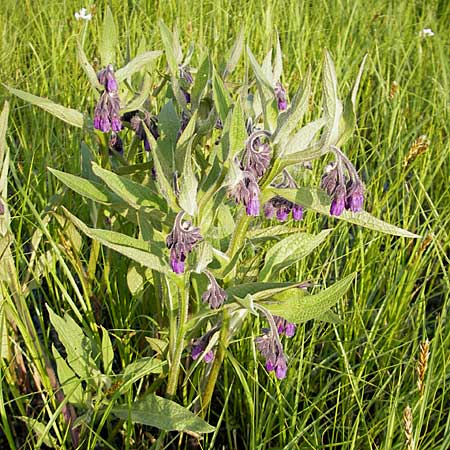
x,y
426,32
82,14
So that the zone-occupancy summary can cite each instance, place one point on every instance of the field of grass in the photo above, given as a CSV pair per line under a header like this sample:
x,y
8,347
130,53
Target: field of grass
x,y
348,384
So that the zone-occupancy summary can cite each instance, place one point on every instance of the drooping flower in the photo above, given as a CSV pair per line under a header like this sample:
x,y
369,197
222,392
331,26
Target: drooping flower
x,y
107,110
280,94
214,295
199,346
341,181
271,349
115,143
281,206
246,191
138,124
283,326
257,154
181,241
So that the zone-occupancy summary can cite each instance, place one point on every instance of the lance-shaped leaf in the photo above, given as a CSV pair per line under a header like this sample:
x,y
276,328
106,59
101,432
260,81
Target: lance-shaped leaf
x,y
317,200
235,54
108,39
332,106
77,345
4,151
259,290
296,307
138,101
348,119
222,99
259,73
149,254
137,64
88,69
162,413
171,48
134,194
278,64
238,133
200,82
68,115
288,251
290,119
107,352
291,150
89,189
70,383
187,198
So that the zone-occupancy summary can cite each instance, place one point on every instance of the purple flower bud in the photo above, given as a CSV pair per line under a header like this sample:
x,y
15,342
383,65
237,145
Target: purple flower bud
x,y
97,120
115,143
209,357
253,206
289,330
338,203
180,241
270,347
269,210
281,368
355,197
111,85
107,79
105,125
280,95
283,326
282,214
116,124
198,347
297,212
257,154
147,146
214,295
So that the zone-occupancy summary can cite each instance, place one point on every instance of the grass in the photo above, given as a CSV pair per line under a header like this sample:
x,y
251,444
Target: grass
x,y
348,385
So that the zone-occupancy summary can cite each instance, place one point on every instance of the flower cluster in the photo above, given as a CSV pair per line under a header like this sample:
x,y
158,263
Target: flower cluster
x,y
283,326
214,295
107,110
281,207
271,349
342,183
180,241
254,164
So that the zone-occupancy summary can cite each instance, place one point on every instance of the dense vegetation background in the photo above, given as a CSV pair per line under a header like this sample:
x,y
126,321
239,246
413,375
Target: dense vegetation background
x,y
348,385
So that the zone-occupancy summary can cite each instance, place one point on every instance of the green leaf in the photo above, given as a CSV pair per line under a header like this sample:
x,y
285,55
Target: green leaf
x,y
170,48
88,69
200,82
278,64
296,307
332,105
108,40
40,430
107,352
143,367
204,255
290,119
77,345
317,200
134,194
163,414
138,101
70,383
259,73
238,133
4,153
222,99
259,290
235,54
137,64
149,254
68,115
188,185
288,251
86,188
301,140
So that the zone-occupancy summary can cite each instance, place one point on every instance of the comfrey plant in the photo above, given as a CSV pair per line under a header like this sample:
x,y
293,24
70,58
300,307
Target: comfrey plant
x,y
200,172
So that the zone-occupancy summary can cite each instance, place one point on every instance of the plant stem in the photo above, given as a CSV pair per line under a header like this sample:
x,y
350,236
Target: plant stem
x,y
217,364
183,307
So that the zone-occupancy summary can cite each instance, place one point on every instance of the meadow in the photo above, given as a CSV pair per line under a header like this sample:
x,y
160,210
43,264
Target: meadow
x,y
377,376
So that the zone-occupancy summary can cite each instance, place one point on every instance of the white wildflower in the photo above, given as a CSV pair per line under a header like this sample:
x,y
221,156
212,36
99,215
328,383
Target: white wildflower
x,y
82,14
426,32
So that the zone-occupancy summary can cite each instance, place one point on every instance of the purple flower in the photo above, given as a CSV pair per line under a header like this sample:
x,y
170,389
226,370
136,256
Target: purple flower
x,y
282,213
269,210
180,241
199,346
137,124
106,113
271,349
115,143
107,79
257,154
355,197
214,295
246,191
338,204
283,326
297,212
280,95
